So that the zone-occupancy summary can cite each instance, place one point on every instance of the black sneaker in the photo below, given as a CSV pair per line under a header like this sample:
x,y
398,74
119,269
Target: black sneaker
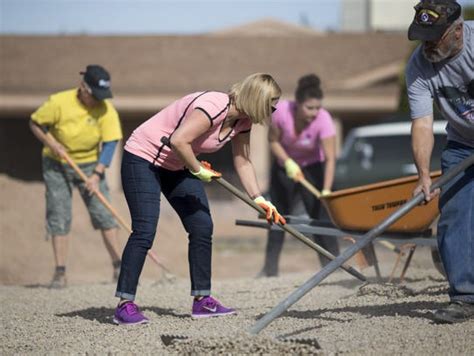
x,y
455,312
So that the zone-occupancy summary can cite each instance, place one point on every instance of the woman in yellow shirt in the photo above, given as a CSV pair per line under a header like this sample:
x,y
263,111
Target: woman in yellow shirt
x,y
85,126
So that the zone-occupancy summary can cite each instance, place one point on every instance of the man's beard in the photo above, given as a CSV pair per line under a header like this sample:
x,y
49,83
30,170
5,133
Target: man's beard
x,y
437,55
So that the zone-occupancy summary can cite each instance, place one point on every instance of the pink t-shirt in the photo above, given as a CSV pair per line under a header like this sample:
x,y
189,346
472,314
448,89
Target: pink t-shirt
x,y
305,148
146,143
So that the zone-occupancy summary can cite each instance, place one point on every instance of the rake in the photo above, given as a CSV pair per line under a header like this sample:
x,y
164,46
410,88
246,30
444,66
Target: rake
x,y
49,140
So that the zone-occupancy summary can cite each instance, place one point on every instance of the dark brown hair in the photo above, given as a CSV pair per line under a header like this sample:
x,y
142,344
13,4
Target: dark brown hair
x,y
309,86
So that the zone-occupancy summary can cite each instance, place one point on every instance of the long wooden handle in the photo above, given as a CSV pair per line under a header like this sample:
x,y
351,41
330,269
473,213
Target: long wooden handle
x,y
288,228
99,194
318,195
103,200
310,187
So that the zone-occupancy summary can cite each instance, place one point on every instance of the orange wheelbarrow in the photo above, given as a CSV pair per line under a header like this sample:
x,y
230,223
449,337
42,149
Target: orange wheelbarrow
x,y
354,211
390,220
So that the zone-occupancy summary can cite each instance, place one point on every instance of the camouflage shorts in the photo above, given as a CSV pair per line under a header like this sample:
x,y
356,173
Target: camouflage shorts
x,y
60,180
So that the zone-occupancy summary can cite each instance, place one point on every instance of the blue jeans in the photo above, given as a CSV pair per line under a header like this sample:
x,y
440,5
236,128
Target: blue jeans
x,y
143,184
456,224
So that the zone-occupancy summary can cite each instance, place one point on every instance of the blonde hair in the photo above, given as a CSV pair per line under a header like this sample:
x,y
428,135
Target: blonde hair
x,y
253,96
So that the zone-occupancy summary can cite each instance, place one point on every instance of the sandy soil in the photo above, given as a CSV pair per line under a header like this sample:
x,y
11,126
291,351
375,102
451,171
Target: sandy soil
x,y
27,258
339,317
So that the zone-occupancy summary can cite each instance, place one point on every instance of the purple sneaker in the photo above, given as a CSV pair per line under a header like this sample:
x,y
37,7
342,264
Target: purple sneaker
x,y
129,314
208,306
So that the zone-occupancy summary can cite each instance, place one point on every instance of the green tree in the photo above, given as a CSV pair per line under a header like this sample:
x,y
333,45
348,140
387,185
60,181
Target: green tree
x,y
468,13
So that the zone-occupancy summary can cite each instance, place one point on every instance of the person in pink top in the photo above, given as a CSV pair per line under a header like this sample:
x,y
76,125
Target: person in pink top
x,y
160,158
302,140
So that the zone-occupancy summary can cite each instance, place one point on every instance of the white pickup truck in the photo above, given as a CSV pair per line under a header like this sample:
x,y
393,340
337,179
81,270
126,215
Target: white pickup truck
x,y
379,152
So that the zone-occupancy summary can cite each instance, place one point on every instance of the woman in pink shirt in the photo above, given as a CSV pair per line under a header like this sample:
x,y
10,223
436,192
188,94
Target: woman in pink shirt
x,y
160,157
302,140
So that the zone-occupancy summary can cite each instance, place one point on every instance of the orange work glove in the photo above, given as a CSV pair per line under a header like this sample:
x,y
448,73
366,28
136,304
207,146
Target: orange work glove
x,y
272,213
206,173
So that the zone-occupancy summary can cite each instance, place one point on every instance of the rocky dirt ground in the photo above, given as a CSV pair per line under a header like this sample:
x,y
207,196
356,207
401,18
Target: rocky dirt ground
x,y
338,317
341,316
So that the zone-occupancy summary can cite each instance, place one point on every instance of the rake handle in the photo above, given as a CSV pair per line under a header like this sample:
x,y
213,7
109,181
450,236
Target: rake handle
x,y
103,200
238,193
304,182
97,193
310,187
166,141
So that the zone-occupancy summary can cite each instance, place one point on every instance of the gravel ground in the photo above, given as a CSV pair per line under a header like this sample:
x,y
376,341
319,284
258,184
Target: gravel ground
x,y
341,316
338,317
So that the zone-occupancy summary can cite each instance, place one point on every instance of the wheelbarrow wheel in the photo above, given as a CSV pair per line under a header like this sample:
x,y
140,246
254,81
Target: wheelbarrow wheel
x,y
437,261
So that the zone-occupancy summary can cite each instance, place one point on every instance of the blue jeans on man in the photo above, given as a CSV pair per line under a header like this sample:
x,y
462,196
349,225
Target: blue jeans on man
x,y
456,225
143,184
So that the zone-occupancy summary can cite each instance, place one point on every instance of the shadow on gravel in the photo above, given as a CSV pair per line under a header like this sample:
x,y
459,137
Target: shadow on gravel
x,y
35,286
102,315
297,332
409,309
347,283
105,315
164,312
428,278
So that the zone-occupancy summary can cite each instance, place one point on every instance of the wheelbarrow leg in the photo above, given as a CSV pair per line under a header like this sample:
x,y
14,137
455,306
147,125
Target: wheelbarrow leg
x,y
352,250
412,249
403,250
395,266
376,262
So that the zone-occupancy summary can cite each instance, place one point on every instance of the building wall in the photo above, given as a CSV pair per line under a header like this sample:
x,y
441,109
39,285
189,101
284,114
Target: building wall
x,y
391,15
355,15
377,15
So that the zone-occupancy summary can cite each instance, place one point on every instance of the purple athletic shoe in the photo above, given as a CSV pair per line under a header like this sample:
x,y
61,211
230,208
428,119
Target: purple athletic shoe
x,y
208,306
129,314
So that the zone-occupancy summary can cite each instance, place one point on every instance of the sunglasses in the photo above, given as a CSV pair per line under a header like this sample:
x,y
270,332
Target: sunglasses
x,y
87,88
273,109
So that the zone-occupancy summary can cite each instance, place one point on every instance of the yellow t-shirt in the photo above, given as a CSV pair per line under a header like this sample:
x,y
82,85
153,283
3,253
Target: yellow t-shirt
x,y
78,128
